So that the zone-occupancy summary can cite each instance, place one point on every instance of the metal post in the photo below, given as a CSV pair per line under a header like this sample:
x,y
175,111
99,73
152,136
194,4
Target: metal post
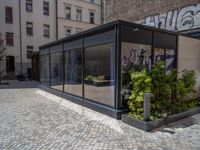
x,y
147,102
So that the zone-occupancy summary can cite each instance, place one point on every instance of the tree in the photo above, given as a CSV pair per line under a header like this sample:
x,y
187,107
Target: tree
x,y
3,52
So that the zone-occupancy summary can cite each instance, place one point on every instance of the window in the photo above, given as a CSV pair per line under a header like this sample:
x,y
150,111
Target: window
x,y
29,28
99,74
46,30
29,50
29,6
73,72
44,69
67,31
68,12
92,1
56,68
136,54
8,15
46,8
78,14
9,39
92,17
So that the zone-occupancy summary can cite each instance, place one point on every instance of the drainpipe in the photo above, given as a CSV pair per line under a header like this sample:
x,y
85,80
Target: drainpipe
x,y
20,37
56,19
101,11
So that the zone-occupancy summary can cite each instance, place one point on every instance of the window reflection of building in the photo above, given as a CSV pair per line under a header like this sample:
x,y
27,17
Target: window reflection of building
x,y
73,72
44,75
99,66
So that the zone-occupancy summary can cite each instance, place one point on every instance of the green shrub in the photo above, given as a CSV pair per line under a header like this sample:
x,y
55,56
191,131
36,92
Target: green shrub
x,y
141,83
89,78
170,94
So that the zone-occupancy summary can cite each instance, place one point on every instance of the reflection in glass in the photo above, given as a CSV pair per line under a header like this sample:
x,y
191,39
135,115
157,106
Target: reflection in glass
x,y
170,59
134,56
99,74
56,71
159,54
44,71
73,72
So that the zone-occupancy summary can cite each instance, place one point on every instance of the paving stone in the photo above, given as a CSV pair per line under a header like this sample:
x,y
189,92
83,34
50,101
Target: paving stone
x,y
34,119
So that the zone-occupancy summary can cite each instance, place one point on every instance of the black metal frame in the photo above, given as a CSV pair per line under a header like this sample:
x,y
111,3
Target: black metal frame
x,y
118,109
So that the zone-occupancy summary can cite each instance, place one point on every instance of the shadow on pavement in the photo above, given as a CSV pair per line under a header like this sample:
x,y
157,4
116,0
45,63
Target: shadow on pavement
x,y
181,124
15,84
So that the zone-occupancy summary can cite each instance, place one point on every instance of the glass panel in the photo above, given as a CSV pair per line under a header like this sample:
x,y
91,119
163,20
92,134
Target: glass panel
x,y
170,59
56,71
134,56
167,55
99,74
159,54
73,72
44,71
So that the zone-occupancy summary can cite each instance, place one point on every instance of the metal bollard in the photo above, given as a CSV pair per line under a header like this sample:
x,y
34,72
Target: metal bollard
x,y
147,102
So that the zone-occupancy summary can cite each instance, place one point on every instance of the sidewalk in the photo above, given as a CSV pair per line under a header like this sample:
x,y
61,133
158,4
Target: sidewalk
x,y
33,119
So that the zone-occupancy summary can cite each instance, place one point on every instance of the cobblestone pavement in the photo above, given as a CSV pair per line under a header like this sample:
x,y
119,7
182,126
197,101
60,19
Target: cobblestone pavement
x,y
33,119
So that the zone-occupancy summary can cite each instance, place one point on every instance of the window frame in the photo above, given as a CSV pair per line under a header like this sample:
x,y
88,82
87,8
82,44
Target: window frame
x,y
29,49
29,3
8,15
45,8
68,15
45,27
9,40
79,14
92,17
29,29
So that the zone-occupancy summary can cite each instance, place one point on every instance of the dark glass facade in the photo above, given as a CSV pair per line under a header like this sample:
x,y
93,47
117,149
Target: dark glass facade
x,y
73,72
99,74
92,67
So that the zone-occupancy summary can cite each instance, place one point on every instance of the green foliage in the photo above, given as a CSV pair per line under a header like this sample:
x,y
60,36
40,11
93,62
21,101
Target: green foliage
x,y
100,78
89,78
141,83
170,94
93,78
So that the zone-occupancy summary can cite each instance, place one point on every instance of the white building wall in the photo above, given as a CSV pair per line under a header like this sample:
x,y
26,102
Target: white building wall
x,y
14,27
73,24
38,20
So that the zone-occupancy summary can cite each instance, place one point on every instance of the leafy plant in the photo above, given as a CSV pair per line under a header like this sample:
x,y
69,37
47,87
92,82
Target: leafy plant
x,y
170,94
89,78
101,78
142,83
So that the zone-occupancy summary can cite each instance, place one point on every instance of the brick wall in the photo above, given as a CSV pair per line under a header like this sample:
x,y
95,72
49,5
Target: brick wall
x,y
134,10
144,11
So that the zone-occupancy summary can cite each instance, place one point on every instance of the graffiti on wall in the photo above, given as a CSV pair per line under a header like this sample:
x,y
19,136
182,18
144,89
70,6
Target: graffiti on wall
x,y
175,20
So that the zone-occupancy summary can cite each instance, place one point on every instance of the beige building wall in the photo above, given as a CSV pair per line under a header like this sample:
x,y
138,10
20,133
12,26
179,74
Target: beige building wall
x,y
72,24
39,19
14,28
189,56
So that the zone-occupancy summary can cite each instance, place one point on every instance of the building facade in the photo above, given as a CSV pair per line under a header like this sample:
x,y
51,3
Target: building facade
x,y
27,24
175,15
92,68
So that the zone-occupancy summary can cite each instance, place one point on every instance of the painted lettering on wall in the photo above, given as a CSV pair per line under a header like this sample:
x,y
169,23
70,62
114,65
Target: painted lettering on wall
x,y
186,18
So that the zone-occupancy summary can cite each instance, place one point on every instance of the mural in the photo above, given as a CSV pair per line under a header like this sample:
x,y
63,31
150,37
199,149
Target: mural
x,y
175,20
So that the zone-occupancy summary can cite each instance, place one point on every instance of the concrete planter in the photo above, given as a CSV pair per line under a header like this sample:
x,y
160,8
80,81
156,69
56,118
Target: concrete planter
x,y
151,125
